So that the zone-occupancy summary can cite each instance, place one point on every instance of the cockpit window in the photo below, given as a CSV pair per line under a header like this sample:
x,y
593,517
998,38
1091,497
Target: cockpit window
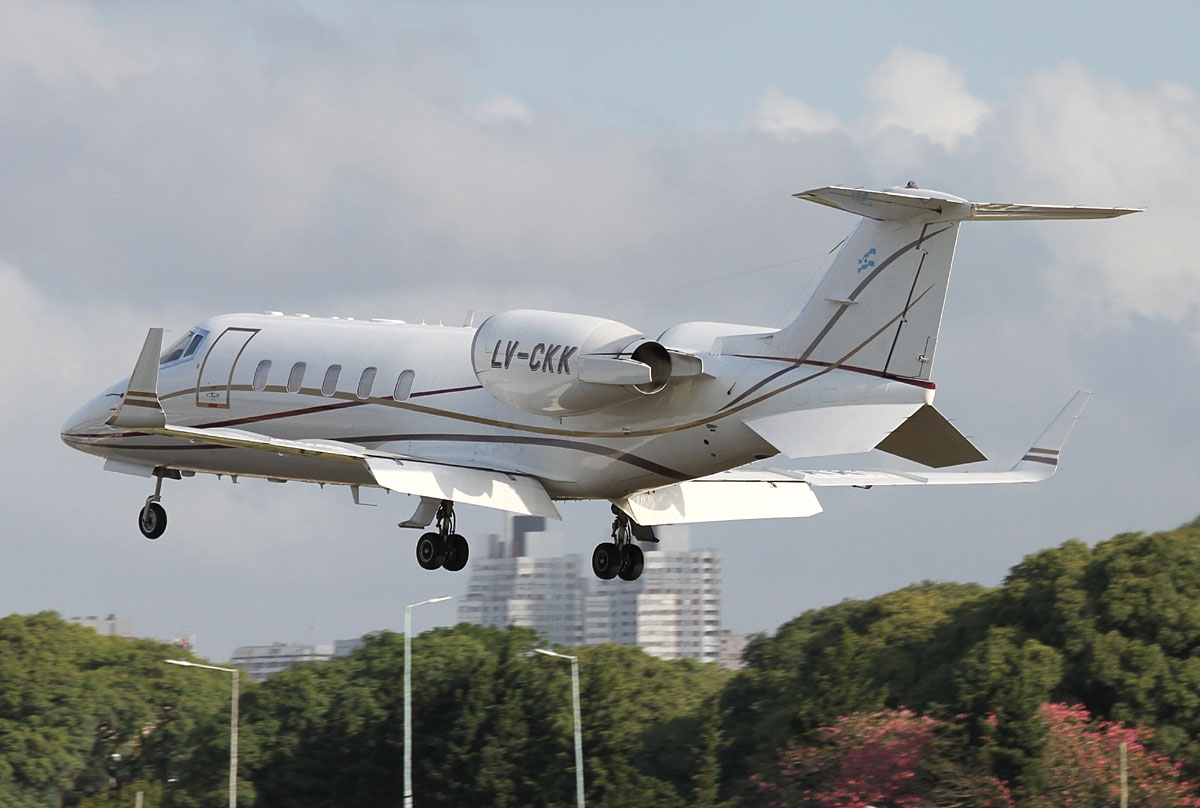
x,y
184,347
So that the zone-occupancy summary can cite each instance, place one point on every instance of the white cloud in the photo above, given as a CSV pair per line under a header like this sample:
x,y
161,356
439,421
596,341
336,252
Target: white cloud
x,y
503,109
790,118
925,94
1074,138
60,348
60,43
918,93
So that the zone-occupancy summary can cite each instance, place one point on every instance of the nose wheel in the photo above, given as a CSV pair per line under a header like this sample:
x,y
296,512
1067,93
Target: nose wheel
x,y
621,556
444,549
152,519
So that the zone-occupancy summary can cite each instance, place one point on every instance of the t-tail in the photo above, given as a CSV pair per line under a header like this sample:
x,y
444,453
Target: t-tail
x,y
878,306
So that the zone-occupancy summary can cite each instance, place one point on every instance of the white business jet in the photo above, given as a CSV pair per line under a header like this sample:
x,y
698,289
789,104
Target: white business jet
x,y
532,407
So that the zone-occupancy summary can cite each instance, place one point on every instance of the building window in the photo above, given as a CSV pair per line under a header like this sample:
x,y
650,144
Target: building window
x,y
329,385
296,377
366,382
403,386
260,375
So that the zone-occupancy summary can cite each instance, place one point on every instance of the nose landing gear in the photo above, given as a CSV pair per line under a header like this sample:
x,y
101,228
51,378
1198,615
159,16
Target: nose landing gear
x,y
621,556
445,549
152,518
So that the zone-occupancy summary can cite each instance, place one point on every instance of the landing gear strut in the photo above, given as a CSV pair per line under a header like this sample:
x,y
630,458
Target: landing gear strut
x,y
445,549
152,518
621,556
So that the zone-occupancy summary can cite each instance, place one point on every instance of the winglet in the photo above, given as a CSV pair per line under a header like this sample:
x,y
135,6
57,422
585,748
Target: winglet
x,y
140,407
1042,457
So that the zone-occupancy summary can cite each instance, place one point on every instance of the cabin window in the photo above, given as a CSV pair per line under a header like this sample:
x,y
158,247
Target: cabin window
x,y
403,386
329,385
296,377
260,375
366,382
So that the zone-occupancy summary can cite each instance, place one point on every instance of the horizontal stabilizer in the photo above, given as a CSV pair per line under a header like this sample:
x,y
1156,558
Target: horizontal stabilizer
x,y
730,495
929,439
984,211
897,204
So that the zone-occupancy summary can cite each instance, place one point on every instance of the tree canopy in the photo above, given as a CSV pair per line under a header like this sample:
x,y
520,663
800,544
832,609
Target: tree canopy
x,y
938,693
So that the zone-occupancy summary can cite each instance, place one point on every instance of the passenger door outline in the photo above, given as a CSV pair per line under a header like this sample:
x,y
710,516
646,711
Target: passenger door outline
x,y
214,383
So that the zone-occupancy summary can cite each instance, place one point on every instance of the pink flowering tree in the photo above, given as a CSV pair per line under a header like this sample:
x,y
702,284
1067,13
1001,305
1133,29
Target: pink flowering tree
x,y
898,759
1082,764
874,759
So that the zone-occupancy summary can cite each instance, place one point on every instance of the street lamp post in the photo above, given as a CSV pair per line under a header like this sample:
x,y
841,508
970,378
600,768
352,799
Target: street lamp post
x,y
408,796
578,723
233,722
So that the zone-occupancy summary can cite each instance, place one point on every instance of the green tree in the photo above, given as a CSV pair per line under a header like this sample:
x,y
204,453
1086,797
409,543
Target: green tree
x,y
84,715
1001,687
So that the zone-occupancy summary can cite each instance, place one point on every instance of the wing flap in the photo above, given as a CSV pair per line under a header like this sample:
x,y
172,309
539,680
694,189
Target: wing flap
x,y
745,494
470,486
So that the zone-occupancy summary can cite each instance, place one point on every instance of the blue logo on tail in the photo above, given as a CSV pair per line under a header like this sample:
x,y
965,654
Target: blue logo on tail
x,y
867,261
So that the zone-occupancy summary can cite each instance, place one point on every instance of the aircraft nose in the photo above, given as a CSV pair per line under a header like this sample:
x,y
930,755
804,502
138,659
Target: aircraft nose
x,y
89,419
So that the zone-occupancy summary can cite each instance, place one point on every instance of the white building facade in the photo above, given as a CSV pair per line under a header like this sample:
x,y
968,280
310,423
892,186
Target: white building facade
x,y
673,611
260,662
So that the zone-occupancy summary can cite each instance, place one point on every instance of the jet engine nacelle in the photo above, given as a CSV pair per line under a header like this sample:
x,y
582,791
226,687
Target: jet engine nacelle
x,y
550,363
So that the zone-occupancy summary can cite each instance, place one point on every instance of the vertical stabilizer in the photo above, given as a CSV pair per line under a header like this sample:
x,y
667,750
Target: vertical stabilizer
x,y
879,304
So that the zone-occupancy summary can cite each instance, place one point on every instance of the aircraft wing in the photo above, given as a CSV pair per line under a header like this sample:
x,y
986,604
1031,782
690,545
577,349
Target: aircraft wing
x,y
406,475
1037,464
141,411
761,493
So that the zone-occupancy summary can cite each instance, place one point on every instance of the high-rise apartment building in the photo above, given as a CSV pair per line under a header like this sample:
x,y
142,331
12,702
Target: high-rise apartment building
x,y
673,611
538,588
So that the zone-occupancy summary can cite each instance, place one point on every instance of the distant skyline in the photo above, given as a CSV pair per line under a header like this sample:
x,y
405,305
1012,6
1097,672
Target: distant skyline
x,y
164,162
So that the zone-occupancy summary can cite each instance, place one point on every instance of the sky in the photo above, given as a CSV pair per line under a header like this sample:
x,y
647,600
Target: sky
x,y
161,163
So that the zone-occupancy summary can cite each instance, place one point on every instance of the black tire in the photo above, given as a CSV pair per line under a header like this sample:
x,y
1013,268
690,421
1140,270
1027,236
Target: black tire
x,y
431,551
152,520
606,559
457,552
632,561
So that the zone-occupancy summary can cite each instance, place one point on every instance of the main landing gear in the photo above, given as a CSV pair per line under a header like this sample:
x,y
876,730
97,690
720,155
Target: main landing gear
x,y
621,556
445,549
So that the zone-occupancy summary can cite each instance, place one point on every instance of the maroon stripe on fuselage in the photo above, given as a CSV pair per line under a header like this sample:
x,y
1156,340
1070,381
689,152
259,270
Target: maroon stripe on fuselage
x,y
879,374
447,390
253,419
341,405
